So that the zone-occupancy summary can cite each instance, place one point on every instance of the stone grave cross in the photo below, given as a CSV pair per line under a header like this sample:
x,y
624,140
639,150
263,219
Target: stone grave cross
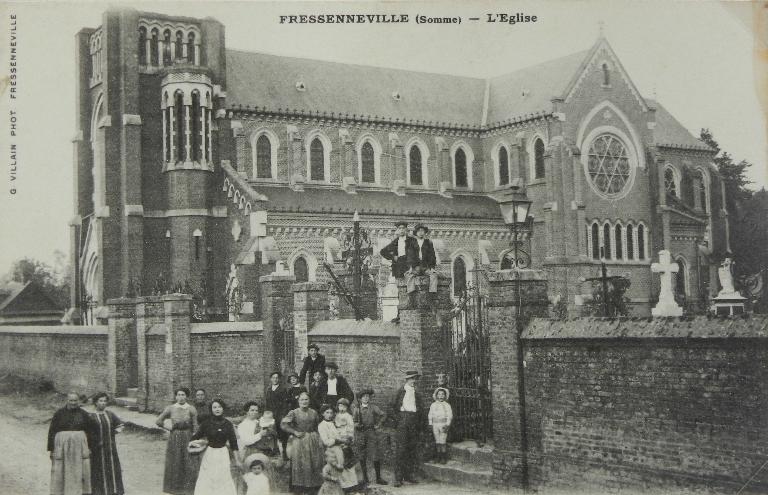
x,y
665,268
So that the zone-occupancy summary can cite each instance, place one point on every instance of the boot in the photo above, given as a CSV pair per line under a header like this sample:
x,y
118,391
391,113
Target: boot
x,y
364,466
379,479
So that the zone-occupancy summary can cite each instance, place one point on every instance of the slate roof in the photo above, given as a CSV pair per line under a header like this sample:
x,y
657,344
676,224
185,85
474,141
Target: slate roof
x,y
319,200
541,83
26,299
671,133
259,79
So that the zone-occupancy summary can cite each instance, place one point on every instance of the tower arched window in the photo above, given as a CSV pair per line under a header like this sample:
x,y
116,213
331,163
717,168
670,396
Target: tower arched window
x,y
503,166
460,168
641,242
538,159
671,182
415,176
301,269
143,46
167,116
595,241
367,163
619,242
167,47
153,46
179,127
191,48
459,276
630,242
194,127
317,160
607,241
263,157
178,51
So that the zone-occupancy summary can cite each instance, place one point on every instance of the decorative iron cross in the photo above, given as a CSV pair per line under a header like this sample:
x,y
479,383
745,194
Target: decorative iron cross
x,y
604,279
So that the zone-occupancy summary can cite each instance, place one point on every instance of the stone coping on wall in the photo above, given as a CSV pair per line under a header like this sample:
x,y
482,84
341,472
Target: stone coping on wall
x,y
352,328
697,327
56,329
227,327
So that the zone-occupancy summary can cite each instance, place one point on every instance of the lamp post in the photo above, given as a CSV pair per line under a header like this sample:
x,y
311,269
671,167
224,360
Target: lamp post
x,y
515,208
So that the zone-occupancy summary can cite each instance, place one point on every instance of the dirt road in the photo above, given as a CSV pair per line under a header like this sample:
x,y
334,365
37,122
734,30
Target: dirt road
x,y
25,468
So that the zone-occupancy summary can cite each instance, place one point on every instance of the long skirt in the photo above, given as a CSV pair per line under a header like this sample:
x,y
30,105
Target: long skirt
x,y
307,460
180,467
106,475
71,466
215,477
349,477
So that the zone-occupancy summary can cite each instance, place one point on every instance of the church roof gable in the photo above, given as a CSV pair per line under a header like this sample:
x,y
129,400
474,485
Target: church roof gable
x,y
26,298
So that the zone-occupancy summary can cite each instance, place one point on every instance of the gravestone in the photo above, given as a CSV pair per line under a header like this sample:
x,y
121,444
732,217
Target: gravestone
x,y
665,268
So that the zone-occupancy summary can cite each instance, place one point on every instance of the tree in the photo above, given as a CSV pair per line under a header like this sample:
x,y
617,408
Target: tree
x,y
618,302
733,174
55,282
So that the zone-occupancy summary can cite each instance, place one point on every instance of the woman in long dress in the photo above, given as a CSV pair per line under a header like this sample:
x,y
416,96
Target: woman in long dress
x,y
215,476
106,475
69,436
305,449
257,434
333,440
180,466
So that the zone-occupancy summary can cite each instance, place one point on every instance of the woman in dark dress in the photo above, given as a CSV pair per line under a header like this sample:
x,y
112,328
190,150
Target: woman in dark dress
x,y
69,439
215,476
276,400
106,475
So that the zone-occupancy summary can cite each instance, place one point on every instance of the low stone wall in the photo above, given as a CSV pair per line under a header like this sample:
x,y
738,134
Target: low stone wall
x,y
646,404
71,357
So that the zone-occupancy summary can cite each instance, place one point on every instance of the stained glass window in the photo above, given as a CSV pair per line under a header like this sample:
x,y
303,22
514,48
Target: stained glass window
x,y
608,165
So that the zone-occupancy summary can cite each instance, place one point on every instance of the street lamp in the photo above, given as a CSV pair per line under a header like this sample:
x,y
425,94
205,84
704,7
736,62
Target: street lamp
x,y
515,207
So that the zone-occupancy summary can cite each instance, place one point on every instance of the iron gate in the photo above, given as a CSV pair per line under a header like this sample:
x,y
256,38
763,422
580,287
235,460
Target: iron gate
x,y
466,344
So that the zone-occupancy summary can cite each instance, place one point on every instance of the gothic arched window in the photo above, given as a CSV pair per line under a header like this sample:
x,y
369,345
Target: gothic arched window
x,y
671,182
263,157
301,269
680,278
194,127
641,242
459,276
143,46
607,241
367,163
167,47
700,190
619,242
503,166
606,75
178,50
538,153
316,160
595,241
191,48
414,166
460,168
630,242
153,53
178,127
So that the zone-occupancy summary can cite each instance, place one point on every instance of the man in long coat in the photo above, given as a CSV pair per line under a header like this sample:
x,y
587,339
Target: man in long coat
x,y
397,252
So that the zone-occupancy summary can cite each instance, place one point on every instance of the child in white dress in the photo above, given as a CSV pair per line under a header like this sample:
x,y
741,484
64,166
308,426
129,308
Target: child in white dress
x,y
255,479
440,417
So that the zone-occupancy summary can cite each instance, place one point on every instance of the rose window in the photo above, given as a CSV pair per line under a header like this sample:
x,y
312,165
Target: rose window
x,y
608,166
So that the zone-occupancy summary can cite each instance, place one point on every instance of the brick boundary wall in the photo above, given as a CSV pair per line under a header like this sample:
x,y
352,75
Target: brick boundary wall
x,y
647,404
72,358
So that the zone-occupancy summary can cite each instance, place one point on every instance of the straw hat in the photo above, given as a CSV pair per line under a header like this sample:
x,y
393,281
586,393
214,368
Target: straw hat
x,y
258,456
447,393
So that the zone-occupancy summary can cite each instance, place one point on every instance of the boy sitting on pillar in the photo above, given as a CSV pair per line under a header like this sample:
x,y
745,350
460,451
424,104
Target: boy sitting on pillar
x,y
397,252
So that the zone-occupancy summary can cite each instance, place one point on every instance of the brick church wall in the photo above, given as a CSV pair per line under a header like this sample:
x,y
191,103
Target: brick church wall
x,y
72,358
646,403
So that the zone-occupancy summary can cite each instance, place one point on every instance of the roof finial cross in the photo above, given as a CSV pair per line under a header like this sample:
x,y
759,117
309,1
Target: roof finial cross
x,y
601,28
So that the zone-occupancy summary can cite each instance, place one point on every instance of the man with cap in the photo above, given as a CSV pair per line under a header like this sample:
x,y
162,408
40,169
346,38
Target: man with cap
x,y
397,251
421,259
312,363
335,386
368,421
408,409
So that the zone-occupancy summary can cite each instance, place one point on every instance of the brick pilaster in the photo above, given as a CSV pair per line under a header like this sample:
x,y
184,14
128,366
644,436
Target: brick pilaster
x,y
149,312
178,349
420,336
121,345
310,305
508,313
276,305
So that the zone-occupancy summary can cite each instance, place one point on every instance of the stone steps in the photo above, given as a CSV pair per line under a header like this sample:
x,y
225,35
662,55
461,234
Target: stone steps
x,y
132,393
460,473
130,403
468,452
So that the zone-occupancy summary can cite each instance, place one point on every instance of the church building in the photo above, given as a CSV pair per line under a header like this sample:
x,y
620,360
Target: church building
x,y
207,167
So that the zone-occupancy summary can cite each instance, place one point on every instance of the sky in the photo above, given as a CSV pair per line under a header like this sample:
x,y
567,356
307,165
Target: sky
x,y
696,58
